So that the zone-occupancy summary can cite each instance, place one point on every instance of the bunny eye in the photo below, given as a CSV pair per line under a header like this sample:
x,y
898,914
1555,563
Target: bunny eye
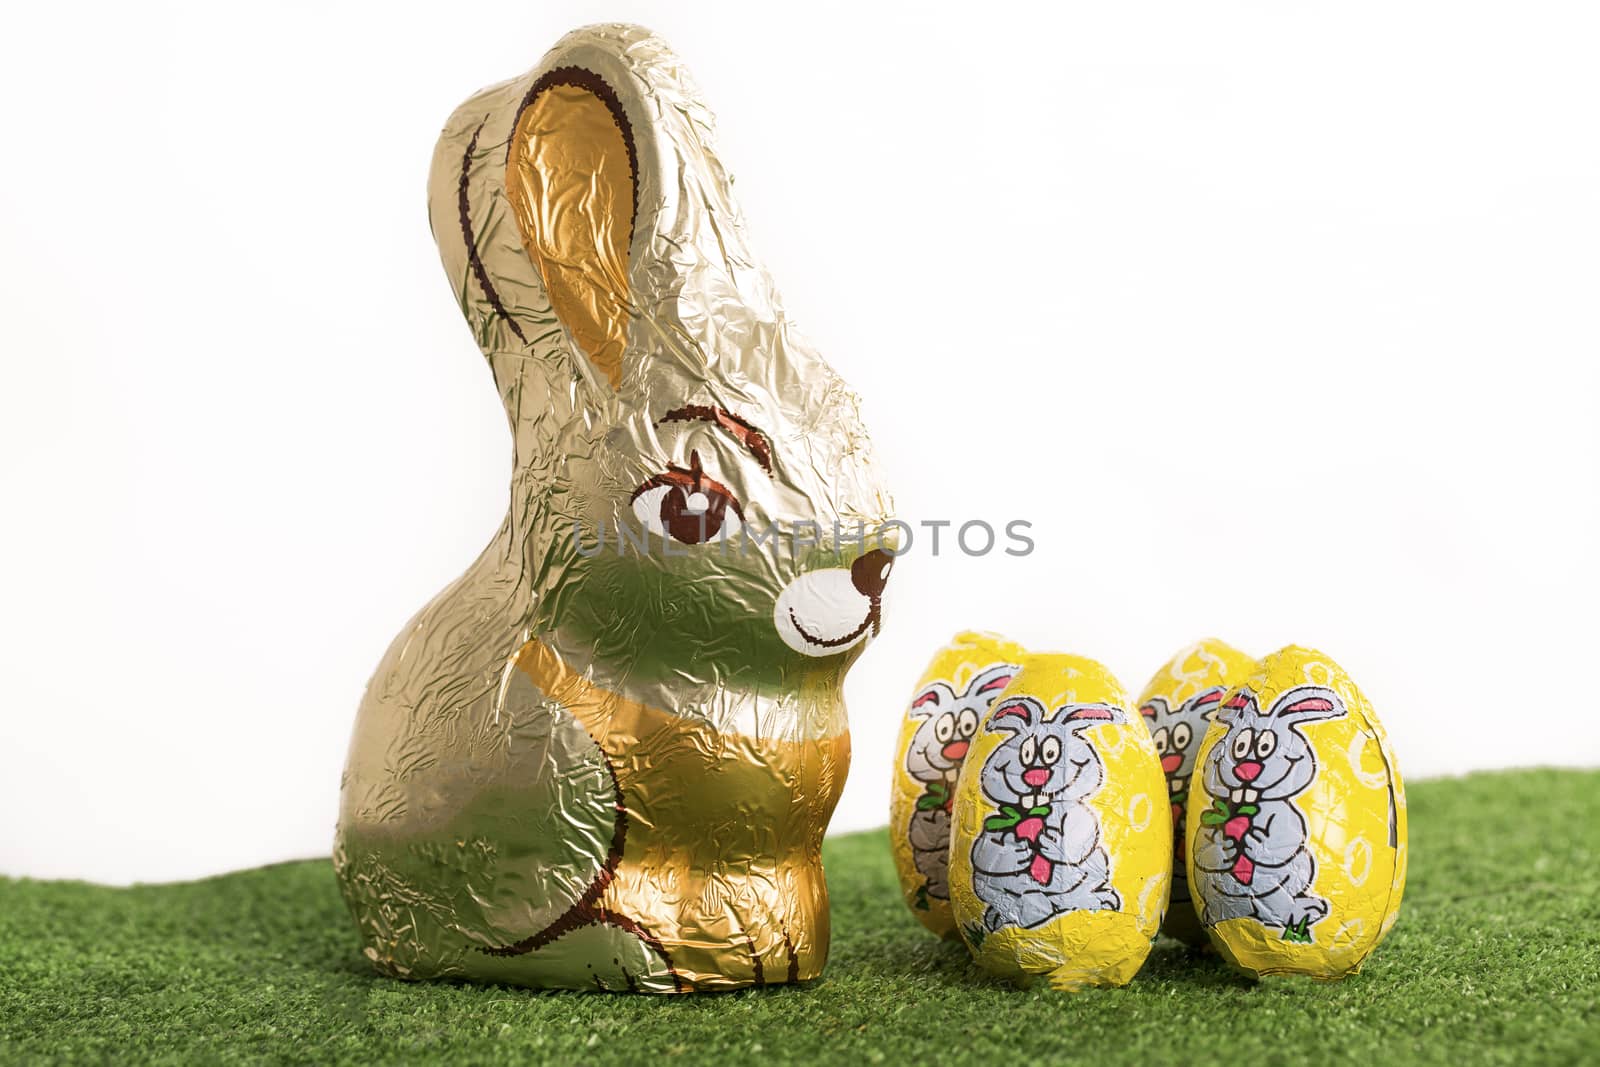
x,y
1029,748
1266,743
1160,738
1181,736
944,727
967,724
1241,743
684,503
1050,751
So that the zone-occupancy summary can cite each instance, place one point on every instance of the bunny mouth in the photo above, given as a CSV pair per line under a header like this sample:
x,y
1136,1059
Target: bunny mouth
x,y
824,612
835,642
1252,791
1028,796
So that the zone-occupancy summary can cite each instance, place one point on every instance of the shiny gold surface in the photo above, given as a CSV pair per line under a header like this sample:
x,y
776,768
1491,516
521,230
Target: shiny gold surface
x,y
570,183
725,873
613,770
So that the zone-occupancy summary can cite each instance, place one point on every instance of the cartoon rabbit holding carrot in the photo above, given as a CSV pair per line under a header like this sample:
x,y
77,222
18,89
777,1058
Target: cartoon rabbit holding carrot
x,y
1250,853
933,758
1040,853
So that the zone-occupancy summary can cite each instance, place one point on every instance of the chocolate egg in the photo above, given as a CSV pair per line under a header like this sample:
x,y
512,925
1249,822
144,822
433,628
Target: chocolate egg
x,y
949,701
1061,844
1178,705
1296,822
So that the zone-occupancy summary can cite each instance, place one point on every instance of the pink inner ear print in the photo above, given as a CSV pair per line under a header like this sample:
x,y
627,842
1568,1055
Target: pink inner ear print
x,y
1309,704
1090,713
1019,710
1148,712
998,683
1208,699
1239,702
930,697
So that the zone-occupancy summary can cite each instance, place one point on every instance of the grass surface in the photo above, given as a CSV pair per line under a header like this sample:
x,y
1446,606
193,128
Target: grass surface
x,y
1496,959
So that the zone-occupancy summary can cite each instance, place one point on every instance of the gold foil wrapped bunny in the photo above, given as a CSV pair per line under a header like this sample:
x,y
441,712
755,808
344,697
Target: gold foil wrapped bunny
x,y
606,755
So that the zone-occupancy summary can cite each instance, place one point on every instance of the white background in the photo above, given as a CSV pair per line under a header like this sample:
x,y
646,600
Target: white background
x,y
1279,325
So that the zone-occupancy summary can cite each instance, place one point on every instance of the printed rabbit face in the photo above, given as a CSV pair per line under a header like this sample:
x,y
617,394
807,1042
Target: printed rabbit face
x,y
1265,756
949,721
1177,733
653,383
1046,758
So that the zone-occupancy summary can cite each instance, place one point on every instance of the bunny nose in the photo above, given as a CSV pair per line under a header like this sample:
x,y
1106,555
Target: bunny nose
x,y
1035,776
955,750
870,573
1247,770
1170,764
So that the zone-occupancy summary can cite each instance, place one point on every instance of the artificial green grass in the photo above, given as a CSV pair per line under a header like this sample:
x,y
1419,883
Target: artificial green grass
x,y
1496,959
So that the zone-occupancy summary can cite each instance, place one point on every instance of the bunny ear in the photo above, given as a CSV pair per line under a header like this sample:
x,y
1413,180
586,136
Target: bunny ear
x,y
572,178
589,190
1308,703
1153,708
1242,701
1208,703
1084,715
1016,715
989,682
931,699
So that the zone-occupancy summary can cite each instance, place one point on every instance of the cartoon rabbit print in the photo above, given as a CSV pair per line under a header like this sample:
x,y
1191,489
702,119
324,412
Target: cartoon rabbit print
x,y
1250,854
1040,854
1177,743
934,757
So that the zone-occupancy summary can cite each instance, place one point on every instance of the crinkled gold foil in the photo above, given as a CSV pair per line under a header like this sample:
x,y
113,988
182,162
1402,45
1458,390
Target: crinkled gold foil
x,y
1178,705
1060,843
1297,822
612,769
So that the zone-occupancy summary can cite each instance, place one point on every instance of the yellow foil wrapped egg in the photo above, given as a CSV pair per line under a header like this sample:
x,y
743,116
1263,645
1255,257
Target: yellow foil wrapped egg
x,y
1061,841
949,701
1178,705
1297,822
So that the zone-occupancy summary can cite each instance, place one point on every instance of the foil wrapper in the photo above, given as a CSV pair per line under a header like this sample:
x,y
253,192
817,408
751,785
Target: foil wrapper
x,y
1178,705
604,757
1061,842
948,703
1296,822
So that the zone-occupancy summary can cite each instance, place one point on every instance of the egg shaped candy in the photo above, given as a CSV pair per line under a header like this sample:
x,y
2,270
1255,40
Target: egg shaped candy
x,y
1297,822
1060,843
1178,705
948,703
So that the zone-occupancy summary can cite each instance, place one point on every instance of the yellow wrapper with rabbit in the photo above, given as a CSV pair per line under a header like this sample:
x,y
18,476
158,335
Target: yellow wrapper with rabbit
x,y
1297,822
1061,843
1178,705
949,701
605,756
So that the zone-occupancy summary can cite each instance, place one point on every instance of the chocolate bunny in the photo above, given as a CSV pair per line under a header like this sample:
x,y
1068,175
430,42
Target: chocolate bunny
x,y
587,765
934,758
1040,854
1249,852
